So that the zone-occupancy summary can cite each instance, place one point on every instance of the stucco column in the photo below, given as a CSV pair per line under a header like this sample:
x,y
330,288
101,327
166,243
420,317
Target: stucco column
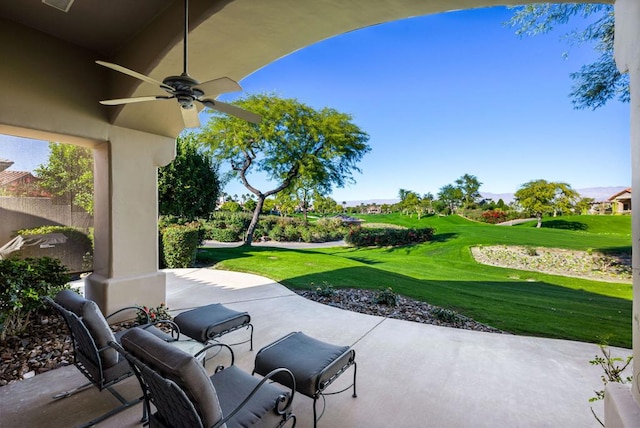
x,y
126,220
622,404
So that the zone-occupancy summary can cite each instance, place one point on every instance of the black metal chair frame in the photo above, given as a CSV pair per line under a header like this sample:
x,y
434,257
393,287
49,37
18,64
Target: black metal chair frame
x,y
158,389
87,358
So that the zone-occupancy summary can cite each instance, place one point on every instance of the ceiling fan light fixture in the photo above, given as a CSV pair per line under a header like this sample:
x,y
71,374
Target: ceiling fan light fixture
x,y
62,5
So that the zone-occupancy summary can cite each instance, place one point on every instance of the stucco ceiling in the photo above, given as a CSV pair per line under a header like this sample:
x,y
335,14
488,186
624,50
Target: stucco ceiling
x,y
53,52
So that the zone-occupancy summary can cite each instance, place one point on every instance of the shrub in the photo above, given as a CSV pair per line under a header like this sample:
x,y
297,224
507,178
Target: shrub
x,y
366,237
323,290
23,284
494,216
153,314
179,246
386,297
444,315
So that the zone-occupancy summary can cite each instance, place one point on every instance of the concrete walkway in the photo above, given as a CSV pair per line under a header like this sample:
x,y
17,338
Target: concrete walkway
x,y
409,374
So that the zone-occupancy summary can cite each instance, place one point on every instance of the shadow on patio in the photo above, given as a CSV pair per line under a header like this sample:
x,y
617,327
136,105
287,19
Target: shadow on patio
x,y
409,374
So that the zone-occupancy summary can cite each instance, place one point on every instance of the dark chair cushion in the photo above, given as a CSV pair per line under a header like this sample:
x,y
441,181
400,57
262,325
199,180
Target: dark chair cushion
x,y
177,366
207,322
233,385
95,322
306,357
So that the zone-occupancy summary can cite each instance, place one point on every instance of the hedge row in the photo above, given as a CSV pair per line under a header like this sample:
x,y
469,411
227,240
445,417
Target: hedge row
x,y
368,237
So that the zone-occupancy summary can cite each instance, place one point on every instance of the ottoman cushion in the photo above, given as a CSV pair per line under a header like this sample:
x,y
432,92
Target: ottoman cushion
x,y
306,357
207,322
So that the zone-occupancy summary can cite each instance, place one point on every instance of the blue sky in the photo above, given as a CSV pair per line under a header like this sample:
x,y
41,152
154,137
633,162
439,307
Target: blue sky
x,y
444,95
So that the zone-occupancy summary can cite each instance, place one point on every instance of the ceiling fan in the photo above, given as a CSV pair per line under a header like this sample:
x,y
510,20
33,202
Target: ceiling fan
x,y
186,89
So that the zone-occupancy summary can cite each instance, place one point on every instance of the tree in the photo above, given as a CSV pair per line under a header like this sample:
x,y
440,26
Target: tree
x,y
540,197
469,187
450,196
189,186
292,141
595,83
68,175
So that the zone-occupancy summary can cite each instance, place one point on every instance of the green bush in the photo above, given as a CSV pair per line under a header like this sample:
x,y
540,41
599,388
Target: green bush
x,y
23,284
367,237
386,297
179,246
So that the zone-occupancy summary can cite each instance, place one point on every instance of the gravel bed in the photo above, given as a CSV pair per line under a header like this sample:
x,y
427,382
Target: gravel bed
x,y
364,301
579,264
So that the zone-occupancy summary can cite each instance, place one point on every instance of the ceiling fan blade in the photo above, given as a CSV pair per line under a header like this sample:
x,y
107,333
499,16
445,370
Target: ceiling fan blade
x,y
119,101
135,74
232,110
215,87
190,117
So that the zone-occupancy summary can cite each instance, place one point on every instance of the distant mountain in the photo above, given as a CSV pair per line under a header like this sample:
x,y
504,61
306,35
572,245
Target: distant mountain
x,y
507,198
597,193
369,202
601,193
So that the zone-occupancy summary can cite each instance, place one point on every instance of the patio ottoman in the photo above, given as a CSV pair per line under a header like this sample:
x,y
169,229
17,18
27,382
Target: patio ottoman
x,y
207,323
314,364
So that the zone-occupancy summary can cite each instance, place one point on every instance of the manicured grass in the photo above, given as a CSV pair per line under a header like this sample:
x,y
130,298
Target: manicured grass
x,y
443,273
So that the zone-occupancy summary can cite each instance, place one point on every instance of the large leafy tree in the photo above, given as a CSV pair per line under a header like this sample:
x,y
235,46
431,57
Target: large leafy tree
x,y
293,142
469,187
450,196
189,186
595,83
68,175
540,197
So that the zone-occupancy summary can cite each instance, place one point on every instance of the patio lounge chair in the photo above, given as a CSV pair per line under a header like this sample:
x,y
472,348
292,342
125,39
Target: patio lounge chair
x,y
93,356
185,396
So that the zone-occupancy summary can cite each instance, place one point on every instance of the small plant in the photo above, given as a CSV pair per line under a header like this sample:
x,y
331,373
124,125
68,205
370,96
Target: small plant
x,y
531,251
386,297
613,368
155,314
323,290
444,315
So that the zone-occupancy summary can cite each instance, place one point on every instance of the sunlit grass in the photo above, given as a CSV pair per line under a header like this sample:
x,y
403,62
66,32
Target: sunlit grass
x,y
443,273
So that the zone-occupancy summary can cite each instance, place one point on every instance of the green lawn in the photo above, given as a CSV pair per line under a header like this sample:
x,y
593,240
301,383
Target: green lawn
x,y
443,273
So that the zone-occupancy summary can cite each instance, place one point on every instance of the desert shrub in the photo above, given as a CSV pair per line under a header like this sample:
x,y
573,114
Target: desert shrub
x,y
291,233
444,315
366,237
387,297
276,233
323,290
23,285
179,246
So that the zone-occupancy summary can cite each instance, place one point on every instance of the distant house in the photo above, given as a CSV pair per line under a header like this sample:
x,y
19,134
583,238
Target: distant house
x,y
374,209
621,202
4,164
19,183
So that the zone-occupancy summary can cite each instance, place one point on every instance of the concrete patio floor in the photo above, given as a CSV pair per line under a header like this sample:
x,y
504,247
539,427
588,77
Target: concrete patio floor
x,y
409,374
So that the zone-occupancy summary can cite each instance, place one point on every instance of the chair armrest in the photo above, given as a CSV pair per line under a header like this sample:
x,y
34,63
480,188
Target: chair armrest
x,y
283,403
215,345
128,308
174,327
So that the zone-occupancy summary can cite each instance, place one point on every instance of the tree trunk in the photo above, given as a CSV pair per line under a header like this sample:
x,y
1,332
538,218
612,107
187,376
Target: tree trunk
x,y
248,239
539,217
